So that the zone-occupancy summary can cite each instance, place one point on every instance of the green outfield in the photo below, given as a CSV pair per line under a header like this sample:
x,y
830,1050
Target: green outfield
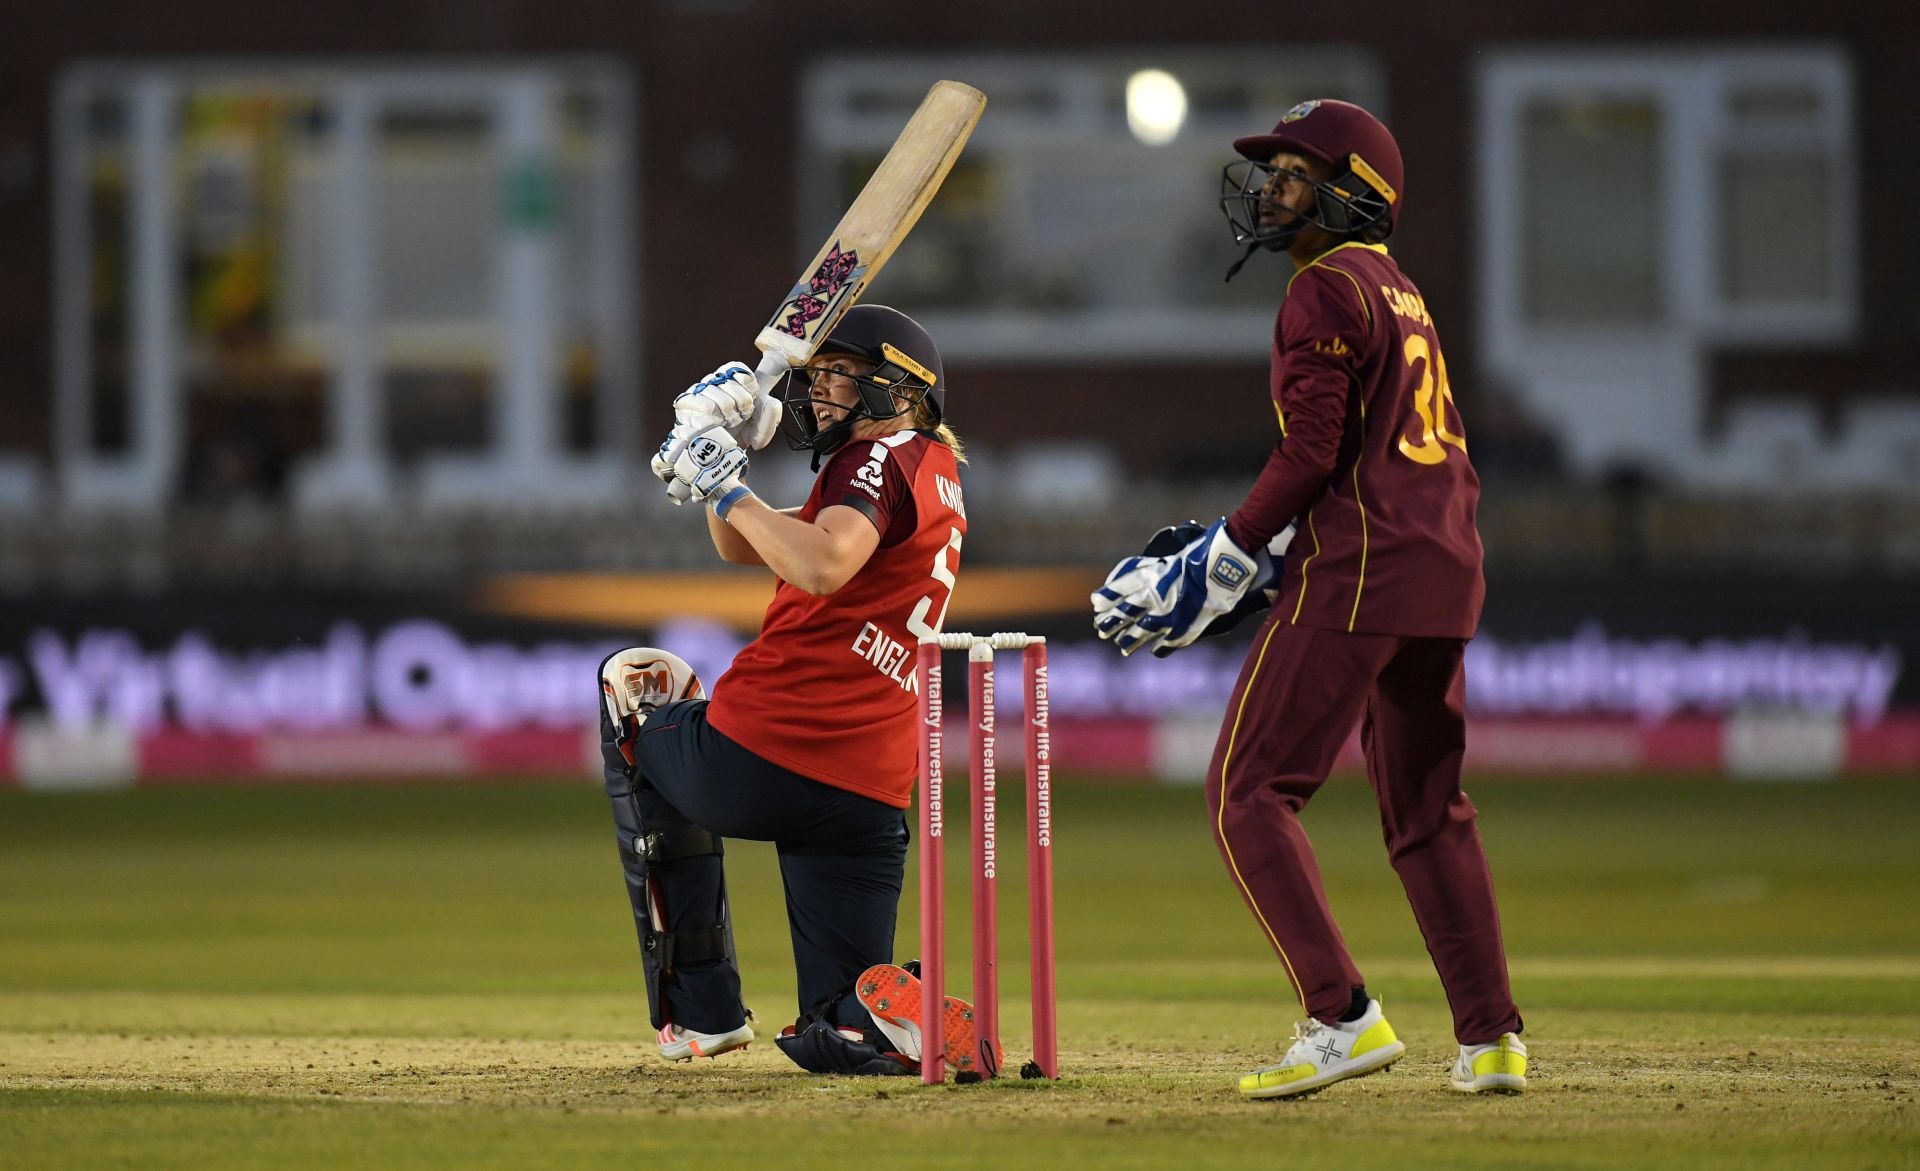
x,y
1714,975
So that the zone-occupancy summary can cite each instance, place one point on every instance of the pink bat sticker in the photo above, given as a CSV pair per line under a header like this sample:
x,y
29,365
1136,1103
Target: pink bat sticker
x,y
812,299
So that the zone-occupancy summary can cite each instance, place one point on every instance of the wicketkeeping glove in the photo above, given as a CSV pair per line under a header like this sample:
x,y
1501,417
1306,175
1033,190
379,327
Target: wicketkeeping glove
x,y
736,398
1171,596
1258,600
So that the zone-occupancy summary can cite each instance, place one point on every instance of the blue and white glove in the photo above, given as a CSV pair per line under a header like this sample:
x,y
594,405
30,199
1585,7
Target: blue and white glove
x,y
1167,602
736,398
669,451
705,465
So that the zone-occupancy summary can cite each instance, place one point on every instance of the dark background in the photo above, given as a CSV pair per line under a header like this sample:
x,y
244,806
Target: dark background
x,y
729,67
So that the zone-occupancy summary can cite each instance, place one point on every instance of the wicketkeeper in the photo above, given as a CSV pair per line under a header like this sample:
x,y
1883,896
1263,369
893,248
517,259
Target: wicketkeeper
x,y
1372,606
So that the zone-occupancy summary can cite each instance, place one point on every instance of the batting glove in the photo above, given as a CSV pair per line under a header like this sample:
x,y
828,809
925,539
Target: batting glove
x,y
710,464
736,398
1167,602
662,463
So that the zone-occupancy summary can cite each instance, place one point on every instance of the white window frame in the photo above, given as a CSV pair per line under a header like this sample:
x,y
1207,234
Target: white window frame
x,y
1654,374
1689,87
354,470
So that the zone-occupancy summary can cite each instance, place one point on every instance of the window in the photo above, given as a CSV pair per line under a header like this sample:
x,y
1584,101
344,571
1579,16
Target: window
x,y
1774,245
1591,210
1640,209
1780,181
1081,222
341,269
1711,186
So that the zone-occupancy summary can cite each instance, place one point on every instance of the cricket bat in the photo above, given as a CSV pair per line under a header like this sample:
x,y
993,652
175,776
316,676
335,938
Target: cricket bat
x,y
885,211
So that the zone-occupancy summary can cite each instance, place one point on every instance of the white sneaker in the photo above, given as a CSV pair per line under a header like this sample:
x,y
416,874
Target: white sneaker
x,y
1498,1068
678,1044
1322,1054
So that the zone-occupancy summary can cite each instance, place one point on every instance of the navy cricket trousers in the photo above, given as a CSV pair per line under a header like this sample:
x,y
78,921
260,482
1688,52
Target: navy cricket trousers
x,y
842,859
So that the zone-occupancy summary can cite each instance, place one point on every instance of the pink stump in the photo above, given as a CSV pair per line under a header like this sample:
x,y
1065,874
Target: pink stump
x,y
1046,1045
986,860
933,897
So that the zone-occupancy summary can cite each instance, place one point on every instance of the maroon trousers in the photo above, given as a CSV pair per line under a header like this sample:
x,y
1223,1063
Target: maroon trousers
x,y
1295,703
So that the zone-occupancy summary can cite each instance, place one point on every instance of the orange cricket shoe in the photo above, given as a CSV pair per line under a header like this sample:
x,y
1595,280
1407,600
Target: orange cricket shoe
x,y
891,995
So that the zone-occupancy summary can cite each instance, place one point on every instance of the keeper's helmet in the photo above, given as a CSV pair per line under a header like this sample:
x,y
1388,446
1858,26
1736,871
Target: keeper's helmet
x,y
1361,201
906,373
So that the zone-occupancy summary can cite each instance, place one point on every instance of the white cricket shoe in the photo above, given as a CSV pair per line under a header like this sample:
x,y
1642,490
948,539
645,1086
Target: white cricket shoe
x,y
1322,1054
1496,1068
678,1044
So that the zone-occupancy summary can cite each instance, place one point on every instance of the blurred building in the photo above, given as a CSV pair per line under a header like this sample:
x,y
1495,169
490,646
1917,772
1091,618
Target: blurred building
x,y
374,310
440,253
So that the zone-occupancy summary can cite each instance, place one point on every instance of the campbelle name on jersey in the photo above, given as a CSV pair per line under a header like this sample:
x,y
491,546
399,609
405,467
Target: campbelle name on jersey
x,y
422,674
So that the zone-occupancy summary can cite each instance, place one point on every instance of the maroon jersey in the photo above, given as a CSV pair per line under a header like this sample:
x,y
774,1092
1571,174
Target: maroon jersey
x,y
828,689
1372,459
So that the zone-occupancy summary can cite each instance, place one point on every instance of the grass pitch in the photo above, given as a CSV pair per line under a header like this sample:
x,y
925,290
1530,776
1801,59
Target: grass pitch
x,y
1714,975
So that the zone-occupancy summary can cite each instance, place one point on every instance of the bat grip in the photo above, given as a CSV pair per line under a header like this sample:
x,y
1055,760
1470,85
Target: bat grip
x,y
773,367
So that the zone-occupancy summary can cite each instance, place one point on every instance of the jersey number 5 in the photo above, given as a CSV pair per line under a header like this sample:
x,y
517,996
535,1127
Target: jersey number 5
x,y
1429,405
917,623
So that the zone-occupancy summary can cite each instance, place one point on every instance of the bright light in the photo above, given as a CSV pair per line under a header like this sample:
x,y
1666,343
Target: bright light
x,y
1156,106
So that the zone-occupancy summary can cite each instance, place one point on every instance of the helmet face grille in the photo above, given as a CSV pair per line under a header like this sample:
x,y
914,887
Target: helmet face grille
x,y
906,372
1342,206
1361,202
1349,139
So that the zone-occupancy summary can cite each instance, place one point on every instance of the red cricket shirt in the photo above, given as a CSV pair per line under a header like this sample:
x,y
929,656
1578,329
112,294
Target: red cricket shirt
x,y
828,689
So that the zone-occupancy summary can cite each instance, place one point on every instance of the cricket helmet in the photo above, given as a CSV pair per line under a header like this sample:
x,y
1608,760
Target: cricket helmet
x,y
906,372
1363,196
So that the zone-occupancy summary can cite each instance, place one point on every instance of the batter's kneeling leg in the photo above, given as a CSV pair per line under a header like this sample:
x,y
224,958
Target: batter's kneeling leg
x,y
676,885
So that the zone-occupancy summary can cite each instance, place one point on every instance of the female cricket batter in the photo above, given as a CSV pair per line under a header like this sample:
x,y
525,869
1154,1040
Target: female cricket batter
x,y
809,739
1379,594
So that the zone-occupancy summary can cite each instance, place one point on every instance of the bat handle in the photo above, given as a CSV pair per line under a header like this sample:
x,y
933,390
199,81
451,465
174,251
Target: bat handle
x,y
772,368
